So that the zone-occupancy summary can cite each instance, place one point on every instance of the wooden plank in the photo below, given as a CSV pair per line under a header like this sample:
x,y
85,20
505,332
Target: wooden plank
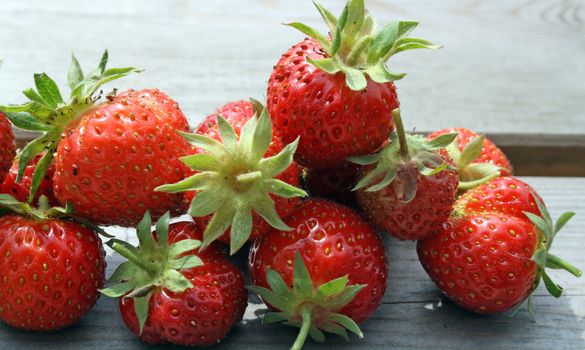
x,y
513,66
414,315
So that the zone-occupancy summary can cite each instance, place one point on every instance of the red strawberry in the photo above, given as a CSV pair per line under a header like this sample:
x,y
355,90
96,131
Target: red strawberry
x,y
492,253
237,113
244,176
478,158
7,147
109,155
51,268
172,293
335,92
339,273
334,184
408,189
21,189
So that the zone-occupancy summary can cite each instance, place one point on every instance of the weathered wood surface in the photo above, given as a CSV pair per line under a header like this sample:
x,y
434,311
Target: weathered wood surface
x,y
413,314
513,66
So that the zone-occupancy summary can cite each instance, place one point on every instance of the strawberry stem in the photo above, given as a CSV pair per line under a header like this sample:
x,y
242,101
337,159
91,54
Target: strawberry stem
x,y
401,135
133,257
307,314
554,261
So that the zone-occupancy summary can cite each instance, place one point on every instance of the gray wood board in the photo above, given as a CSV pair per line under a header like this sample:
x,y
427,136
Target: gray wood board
x,y
507,66
413,313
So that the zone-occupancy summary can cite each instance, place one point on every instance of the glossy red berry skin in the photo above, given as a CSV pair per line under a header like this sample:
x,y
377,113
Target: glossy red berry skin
x,y
490,153
51,272
333,241
481,259
333,121
237,114
21,190
199,316
7,146
109,163
422,216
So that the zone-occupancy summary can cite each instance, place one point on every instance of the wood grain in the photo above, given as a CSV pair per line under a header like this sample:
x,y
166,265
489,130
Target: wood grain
x,y
507,66
414,315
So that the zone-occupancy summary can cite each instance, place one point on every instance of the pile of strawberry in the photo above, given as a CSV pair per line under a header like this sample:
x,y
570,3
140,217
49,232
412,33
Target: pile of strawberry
x,y
310,180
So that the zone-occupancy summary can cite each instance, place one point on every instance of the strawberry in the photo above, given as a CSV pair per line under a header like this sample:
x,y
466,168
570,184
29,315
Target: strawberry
x,y
7,147
171,292
492,253
109,155
237,113
51,268
408,188
339,273
477,157
334,184
244,177
335,92
21,189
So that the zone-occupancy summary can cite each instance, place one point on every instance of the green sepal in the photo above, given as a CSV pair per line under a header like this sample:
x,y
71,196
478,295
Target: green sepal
x,y
471,172
141,306
75,73
25,121
312,308
48,113
356,49
154,263
401,162
234,180
546,231
43,211
48,90
476,174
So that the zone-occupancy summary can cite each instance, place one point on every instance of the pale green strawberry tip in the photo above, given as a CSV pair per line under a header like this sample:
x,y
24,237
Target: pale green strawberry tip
x,y
355,48
234,179
546,232
403,151
154,263
312,308
48,113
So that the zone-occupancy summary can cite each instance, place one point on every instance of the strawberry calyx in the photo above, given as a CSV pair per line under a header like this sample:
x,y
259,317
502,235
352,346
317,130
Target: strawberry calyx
x,y
472,173
547,231
44,211
312,308
49,114
399,163
356,49
153,265
233,179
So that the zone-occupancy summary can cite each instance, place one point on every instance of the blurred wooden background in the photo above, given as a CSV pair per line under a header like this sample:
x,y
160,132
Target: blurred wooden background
x,y
506,66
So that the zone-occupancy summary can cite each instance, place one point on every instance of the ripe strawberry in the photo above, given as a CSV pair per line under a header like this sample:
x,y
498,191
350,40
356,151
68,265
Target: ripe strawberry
x,y
244,176
339,273
478,158
7,147
492,253
21,189
410,190
51,268
334,184
109,156
170,292
335,92
237,113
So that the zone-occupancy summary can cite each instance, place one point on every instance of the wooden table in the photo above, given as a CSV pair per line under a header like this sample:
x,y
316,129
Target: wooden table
x,y
513,69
